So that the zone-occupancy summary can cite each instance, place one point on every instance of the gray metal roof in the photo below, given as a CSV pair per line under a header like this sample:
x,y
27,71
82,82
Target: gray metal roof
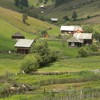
x,y
24,43
83,35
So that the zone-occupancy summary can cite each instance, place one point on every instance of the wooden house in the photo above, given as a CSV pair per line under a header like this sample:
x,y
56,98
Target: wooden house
x,y
86,37
17,36
79,39
70,29
23,45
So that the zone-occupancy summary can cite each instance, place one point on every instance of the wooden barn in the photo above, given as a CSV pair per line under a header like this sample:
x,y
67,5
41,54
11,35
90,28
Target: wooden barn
x,y
70,29
17,36
23,45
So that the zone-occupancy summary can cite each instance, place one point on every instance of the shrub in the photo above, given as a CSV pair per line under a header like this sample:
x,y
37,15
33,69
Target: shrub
x,y
94,47
29,64
83,52
47,55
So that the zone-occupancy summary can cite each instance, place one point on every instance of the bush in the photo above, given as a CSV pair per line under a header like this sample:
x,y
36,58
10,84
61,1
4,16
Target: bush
x,y
94,47
29,64
47,55
83,52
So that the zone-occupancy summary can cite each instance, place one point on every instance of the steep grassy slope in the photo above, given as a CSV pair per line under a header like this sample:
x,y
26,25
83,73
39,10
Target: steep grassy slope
x,y
11,22
15,19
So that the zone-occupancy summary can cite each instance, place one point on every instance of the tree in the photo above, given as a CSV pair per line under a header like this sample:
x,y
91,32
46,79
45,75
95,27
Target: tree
x,y
24,17
24,3
29,64
66,18
74,15
83,52
96,36
17,3
41,48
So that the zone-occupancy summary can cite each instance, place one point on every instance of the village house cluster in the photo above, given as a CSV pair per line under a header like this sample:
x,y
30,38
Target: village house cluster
x,y
78,38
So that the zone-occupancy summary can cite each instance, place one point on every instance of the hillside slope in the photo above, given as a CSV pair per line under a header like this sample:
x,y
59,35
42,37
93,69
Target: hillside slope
x,y
11,22
15,19
83,8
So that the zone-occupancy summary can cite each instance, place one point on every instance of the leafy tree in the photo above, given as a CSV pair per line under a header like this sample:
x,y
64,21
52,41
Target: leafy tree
x,y
29,64
17,3
74,15
24,17
41,48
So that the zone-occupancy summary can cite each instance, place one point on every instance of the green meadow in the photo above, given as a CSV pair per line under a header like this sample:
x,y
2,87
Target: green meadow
x,y
81,73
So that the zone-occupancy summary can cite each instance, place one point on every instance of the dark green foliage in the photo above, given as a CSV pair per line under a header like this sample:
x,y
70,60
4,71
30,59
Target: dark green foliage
x,y
21,3
94,47
83,52
58,2
24,3
47,55
96,36
74,15
24,17
66,18
30,63
45,1
17,3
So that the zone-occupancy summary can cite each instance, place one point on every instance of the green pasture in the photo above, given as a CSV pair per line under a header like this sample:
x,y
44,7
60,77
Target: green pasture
x,y
74,64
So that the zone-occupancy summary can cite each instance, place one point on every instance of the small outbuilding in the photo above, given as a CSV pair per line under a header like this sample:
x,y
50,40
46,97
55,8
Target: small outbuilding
x,y
54,19
17,36
70,29
23,45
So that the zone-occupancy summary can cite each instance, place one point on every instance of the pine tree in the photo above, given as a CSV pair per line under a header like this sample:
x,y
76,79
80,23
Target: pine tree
x,y
74,15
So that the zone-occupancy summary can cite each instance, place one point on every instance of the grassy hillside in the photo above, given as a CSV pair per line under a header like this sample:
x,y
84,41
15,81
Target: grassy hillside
x,y
15,19
83,8
11,22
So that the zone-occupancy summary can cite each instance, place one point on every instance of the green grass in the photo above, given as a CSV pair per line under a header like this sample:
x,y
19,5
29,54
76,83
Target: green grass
x,y
74,64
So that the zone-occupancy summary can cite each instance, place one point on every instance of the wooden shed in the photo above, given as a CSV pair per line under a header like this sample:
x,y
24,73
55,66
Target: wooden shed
x,y
23,45
17,36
